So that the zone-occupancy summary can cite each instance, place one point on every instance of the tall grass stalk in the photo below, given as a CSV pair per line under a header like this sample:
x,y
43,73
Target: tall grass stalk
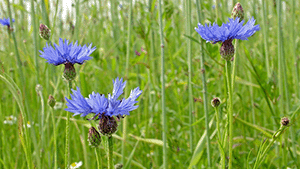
x,y
230,111
265,36
293,131
127,76
77,25
35,40
205,102
67,149
189,60
40,94
164,115
54,137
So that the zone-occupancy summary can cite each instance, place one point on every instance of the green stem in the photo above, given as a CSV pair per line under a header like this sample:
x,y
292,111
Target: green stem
x,y
42,125
205,102
97,158
110,153
234,63
77,24
230,111
67,155
35,40
189,59
265,38
164,116
127,76
54,138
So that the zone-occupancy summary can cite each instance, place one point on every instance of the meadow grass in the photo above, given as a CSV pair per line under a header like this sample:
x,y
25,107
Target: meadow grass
x,y
175,126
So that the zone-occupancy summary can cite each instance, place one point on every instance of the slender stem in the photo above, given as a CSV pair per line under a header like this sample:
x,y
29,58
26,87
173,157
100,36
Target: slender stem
x,y
97,158
235,58
217,10
45,14
205,102
77,25
280,64
127,75
189,59
67,155
42,124
230,111
265,38
110,153
164,116
35,40
54,138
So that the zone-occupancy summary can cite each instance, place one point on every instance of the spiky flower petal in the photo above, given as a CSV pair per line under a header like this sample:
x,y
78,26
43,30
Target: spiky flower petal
x,y
228,31
66,53
101,106
6,22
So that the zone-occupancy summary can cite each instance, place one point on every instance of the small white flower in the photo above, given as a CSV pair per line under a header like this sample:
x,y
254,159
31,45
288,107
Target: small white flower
x,y
10,120
29,124
76,165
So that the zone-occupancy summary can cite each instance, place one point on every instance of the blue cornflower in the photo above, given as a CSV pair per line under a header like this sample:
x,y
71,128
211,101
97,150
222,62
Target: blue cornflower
x,y
6,22
66,53
228,31
101,106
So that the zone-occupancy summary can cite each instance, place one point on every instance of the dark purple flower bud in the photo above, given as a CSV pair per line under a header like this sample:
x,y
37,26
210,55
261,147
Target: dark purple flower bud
x,y
238,11
69,72
285,121
215,102
45,32
227,50
107,125
94,137
51,101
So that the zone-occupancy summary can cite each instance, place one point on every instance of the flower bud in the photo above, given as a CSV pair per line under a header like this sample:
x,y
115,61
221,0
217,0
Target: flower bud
x,y
107,125
51,101
215,102
94,137
69,72
45,32
227,50
285,121
238,11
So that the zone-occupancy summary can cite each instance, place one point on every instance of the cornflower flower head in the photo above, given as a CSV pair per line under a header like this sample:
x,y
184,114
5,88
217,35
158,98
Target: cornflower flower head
x,y
104,108
6,22
67,54
234,29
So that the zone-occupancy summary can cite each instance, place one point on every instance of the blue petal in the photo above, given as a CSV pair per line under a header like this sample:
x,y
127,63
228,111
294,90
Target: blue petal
x,y
233,29
78,104
127,105
6,22
98,103
67,53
